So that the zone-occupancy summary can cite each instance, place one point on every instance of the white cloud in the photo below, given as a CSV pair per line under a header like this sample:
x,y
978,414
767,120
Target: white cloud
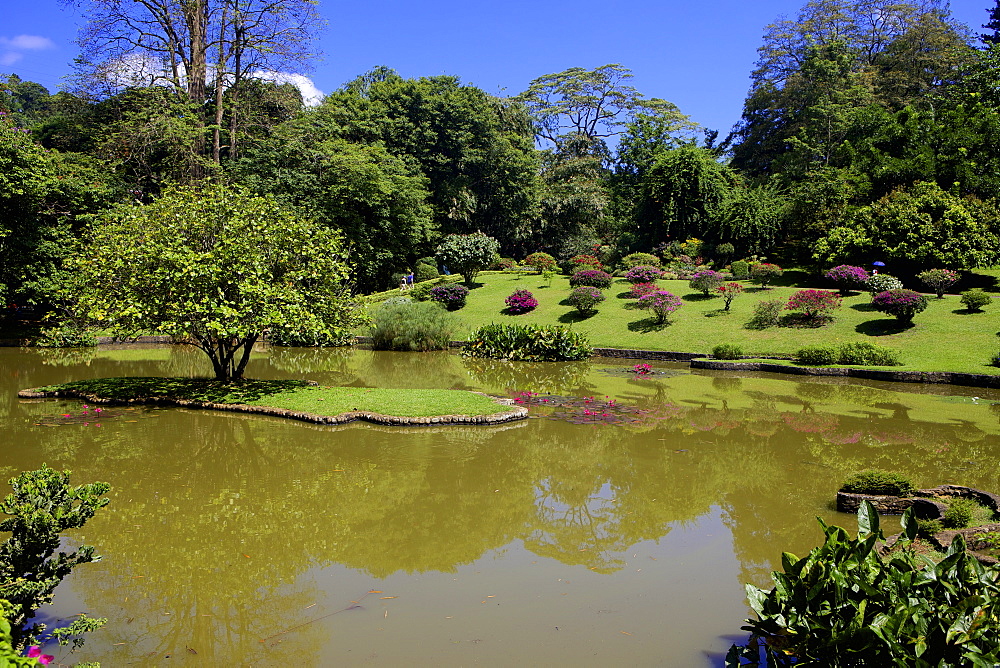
x,y
12,48
27,43
311,95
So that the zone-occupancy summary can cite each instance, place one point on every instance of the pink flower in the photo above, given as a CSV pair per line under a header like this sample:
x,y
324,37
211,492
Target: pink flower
x,y
35,652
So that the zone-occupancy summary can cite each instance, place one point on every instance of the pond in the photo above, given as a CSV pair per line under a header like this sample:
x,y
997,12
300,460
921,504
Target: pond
x,y
617,536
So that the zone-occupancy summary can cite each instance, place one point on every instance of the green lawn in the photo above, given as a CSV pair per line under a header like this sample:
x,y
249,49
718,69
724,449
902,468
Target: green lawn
x,y
945,337
293,395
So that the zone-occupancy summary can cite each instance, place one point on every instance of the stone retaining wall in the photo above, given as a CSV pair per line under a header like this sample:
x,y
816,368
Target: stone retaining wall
x,y
510,415
922,501
969,379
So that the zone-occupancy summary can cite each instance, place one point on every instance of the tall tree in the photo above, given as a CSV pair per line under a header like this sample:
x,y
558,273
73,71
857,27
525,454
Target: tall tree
x,y
993,25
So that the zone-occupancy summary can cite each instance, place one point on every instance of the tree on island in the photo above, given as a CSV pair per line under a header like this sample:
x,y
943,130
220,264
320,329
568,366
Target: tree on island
x,y
215,267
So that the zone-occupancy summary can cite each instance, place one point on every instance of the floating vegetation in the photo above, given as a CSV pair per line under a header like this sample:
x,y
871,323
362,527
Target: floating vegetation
x,y
582,410
641,371
93,416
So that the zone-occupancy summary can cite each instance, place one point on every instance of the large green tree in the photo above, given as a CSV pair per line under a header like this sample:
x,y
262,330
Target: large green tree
x,y
216,267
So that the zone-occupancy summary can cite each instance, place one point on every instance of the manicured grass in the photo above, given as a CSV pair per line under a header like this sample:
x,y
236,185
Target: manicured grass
x,y
293,395
945,337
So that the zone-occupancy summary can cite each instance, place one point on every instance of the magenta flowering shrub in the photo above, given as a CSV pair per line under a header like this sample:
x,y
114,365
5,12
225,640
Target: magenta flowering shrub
x,y
902,304
642,289
706,281
452,296
643,273
848,277
763,273
814,304
585,298
521,301
594,278
661,303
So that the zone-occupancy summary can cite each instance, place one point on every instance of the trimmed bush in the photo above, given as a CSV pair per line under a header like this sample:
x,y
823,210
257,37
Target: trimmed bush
x,y
740,270
902,304
959,514
541,262
995,360
882,282
661,303
585,299
878,482
766,314
729,292
727,351
531,343
706,281
467,254
594,278
817,355
412,326
938,280
521,301
642,289
724,251
814,304
643,273
505,264
451,296
763,273
848,277
975,299
639,259
425,272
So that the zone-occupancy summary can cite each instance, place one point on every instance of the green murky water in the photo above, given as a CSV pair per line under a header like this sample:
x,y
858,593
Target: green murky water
x,y
251,541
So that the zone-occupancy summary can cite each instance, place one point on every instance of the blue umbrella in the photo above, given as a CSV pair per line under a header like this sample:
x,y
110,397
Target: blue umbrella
x,y
878,264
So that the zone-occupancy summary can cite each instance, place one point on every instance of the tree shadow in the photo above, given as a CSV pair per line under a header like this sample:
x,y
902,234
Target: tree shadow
x,y
647,325
883,327
717,312
575,316
627,294
791,278
864,307
965,311
697,297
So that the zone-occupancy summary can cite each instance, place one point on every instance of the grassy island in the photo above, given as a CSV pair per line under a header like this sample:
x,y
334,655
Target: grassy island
x,y
299,399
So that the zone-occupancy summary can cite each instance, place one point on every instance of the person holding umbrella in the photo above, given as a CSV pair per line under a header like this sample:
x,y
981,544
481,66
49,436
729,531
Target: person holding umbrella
x,y
875,265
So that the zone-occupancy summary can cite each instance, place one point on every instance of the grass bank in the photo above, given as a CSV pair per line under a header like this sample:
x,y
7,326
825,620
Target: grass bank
x,y
945,337
288,395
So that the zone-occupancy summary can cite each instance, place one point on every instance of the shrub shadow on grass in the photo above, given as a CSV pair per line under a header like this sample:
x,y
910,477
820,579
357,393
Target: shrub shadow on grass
x,y
883,327
717,312
507,311
801,321
792,278
647,325
865,308
697,297
627,294
575,316
965,311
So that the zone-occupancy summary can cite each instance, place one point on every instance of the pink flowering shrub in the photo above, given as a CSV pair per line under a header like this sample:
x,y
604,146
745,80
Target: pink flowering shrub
x,y
706,280
643,273
729,292
585,298
848,277
594,278
763,273
938,280
521,301
661,303
902,304
814,304
642,289
452,296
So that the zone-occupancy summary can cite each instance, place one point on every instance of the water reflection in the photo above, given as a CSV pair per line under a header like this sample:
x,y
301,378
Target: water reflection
x,y
226,529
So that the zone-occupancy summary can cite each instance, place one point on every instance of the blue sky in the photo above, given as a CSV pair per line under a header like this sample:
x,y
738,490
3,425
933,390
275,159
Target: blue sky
x,y
696,54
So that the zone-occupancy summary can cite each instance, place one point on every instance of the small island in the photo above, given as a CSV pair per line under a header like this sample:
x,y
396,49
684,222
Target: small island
x,y
296,399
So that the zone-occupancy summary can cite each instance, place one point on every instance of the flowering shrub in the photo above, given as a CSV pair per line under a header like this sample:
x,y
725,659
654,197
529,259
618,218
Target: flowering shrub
x,y
594,278
639,259
902,304
452,296
938,280
578,262
729,292
975,299
540,261
521,301
505,264
848,277
643,273
642,289
707,281
882,282
585,298
763,273
814,304
661,303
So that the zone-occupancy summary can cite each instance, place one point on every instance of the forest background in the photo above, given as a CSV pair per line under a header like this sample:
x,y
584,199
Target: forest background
x,y
871,130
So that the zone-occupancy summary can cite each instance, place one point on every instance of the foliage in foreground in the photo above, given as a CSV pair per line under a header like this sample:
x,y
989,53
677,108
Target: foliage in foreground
x,y
847,605
529,343
418,326
215,266
41,506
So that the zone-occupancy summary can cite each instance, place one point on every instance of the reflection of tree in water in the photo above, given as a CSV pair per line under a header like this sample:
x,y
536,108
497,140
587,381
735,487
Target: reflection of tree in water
x,y
67,356
430,370
332,364
540,377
